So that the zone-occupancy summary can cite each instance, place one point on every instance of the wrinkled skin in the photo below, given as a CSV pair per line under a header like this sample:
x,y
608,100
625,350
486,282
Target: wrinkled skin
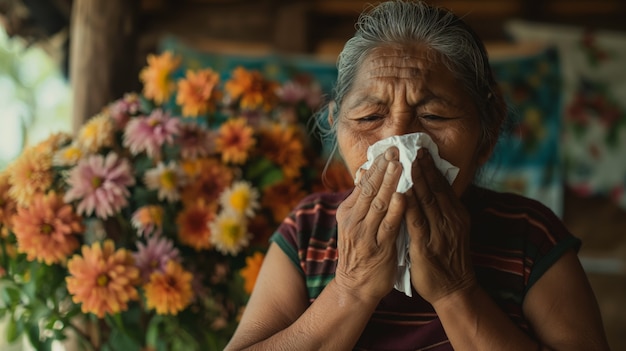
x,y
401,90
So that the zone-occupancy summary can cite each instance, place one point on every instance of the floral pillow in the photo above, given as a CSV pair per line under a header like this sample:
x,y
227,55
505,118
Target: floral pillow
x,y
593,65
526,159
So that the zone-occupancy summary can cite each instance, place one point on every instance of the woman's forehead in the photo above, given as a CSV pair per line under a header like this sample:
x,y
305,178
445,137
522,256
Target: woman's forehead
x,y
402,61
417,56
416,67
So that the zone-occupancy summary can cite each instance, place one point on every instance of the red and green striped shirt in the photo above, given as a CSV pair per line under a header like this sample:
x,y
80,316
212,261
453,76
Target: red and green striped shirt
x,y
514,240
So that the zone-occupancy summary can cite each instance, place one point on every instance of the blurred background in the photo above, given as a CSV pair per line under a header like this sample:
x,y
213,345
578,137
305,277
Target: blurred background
x,y
560,63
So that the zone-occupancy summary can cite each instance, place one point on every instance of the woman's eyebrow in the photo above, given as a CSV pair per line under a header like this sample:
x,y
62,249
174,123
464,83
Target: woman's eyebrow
x,y
431,98
365,99
428,98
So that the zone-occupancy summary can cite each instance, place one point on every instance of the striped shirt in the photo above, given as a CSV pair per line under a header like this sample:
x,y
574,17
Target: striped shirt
x,y
513,241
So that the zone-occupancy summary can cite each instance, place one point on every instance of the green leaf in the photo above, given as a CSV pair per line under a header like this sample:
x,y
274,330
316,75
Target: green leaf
x,y
270,177
11,295
258,167
12,331
153,331
34,334
122,341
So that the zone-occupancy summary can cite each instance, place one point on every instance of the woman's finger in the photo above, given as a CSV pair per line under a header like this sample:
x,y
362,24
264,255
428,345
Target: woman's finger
x,y
426,197
368,186
383,213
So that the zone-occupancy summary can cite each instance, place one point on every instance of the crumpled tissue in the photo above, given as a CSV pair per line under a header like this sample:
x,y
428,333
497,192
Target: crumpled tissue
x,y
407,145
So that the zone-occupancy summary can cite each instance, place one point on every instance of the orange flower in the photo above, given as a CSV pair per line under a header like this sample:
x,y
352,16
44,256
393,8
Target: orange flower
x,y
281,197
197,93
30,174
148,220
102,279
234,140
283,146
193,228
211,179
169,292
251,271
53,142
46,230
158,84
252,90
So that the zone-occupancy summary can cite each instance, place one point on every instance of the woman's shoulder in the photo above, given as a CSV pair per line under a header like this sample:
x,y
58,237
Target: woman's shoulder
x,y
483,200
517,215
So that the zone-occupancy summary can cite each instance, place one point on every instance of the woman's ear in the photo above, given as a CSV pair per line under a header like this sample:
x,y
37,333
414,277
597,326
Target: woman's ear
x,y
331,117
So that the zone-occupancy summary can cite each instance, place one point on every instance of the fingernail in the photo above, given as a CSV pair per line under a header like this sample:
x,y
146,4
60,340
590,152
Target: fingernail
x,y
390,154
357,177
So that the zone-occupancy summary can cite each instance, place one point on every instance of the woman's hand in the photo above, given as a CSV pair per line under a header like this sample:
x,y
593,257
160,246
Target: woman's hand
x,y
368,224
438,226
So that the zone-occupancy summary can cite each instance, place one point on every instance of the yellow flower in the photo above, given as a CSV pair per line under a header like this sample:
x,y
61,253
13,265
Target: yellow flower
x,y
102,279
241,198
229,233
197,92
158,84
251,271
96,133
234,140
166,179
169,292
67,156
30,174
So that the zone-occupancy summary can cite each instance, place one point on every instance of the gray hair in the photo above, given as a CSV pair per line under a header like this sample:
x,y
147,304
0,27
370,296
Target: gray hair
x,y
402,22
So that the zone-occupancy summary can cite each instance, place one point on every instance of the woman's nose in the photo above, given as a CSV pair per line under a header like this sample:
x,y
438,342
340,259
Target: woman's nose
x,y
405,124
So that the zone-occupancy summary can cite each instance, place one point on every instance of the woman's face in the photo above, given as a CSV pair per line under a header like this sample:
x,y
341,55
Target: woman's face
x,y
402,90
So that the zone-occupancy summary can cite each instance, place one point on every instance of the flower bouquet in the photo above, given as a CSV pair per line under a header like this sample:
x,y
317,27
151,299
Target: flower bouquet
x,y
146,230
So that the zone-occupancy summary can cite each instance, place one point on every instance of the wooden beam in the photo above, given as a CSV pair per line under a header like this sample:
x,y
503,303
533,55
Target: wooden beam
x,y
103,62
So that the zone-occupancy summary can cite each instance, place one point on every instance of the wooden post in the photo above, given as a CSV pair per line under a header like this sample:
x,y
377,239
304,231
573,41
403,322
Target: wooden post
x,y
103,47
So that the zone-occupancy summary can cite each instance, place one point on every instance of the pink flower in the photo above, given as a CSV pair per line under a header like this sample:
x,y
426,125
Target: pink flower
x,y
150,133
121,110
154,255
301,90
101,184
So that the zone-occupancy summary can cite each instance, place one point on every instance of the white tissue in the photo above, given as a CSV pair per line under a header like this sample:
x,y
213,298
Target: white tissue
x,y
407,145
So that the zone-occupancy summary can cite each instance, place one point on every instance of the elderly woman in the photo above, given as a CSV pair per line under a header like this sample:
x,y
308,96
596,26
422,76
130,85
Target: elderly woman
x,y
489,271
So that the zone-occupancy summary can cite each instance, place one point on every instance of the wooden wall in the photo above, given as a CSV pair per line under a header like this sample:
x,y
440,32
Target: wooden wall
x,y
319,27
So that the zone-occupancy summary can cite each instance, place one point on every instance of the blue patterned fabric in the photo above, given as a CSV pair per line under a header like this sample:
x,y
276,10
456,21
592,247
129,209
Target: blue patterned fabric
x,y
526,161
527,158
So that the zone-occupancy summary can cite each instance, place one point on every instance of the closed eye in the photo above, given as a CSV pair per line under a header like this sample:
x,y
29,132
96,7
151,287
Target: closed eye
x,y
370,118
433,117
